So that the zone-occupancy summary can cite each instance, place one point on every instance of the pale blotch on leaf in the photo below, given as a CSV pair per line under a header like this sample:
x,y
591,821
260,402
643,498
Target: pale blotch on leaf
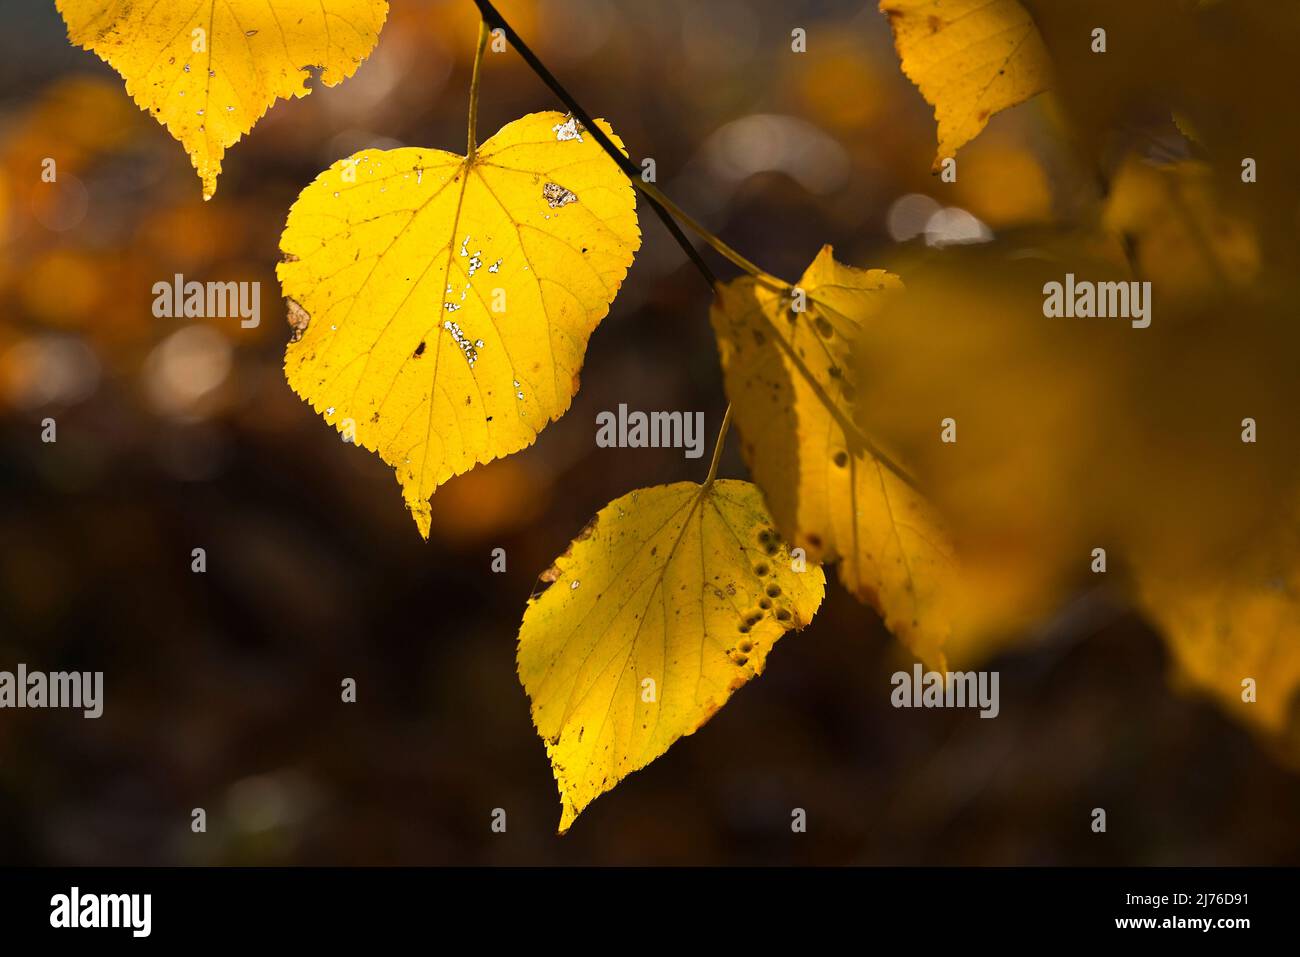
x,y
557,196
569,129
298,318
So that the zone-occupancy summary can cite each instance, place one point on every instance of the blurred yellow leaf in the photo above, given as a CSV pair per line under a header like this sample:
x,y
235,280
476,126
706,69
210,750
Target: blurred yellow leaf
x,y
208,73
1231,622
1186,241
666,603
969,59
1078,434
787,357
442,305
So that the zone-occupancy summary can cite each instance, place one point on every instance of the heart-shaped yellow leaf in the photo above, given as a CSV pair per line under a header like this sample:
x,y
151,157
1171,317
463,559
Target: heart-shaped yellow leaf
x,y
441,305
666,603
209,71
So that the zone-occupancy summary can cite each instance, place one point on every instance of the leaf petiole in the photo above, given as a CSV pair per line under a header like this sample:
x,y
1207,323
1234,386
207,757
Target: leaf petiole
x,y
717,448
483,31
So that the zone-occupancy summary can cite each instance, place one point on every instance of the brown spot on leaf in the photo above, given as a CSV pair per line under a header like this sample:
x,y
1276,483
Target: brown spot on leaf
x,y
299,319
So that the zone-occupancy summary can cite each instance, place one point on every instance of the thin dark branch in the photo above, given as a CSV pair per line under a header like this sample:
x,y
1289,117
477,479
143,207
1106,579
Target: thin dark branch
x,y
494,19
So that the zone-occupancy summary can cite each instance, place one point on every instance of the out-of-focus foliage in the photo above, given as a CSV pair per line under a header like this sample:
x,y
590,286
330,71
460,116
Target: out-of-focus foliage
x,y
81,252
1189,239
1086,433
1234,625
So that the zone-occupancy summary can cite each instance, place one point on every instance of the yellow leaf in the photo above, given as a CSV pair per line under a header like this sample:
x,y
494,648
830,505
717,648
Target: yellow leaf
x,y
789,375
666,603
1228,621
441,305
969,59
1188,239
209,71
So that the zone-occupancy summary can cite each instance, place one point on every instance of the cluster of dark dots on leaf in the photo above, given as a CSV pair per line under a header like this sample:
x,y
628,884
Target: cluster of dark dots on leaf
x,y
770,541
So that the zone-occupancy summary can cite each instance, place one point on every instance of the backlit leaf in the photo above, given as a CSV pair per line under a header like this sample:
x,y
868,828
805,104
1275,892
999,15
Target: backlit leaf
x,y
441,306
666,603
789,375
209,71
969,59
1225,622
1186,239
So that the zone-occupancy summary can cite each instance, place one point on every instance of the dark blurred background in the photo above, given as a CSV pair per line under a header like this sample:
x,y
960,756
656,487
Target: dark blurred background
x,y
222,689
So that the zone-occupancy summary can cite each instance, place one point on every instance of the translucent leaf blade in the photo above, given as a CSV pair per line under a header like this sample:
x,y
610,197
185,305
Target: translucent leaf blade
x,y
209,72
665,604
442,307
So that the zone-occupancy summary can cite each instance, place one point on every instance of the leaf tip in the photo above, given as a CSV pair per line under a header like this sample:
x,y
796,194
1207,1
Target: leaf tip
x,y
423,515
